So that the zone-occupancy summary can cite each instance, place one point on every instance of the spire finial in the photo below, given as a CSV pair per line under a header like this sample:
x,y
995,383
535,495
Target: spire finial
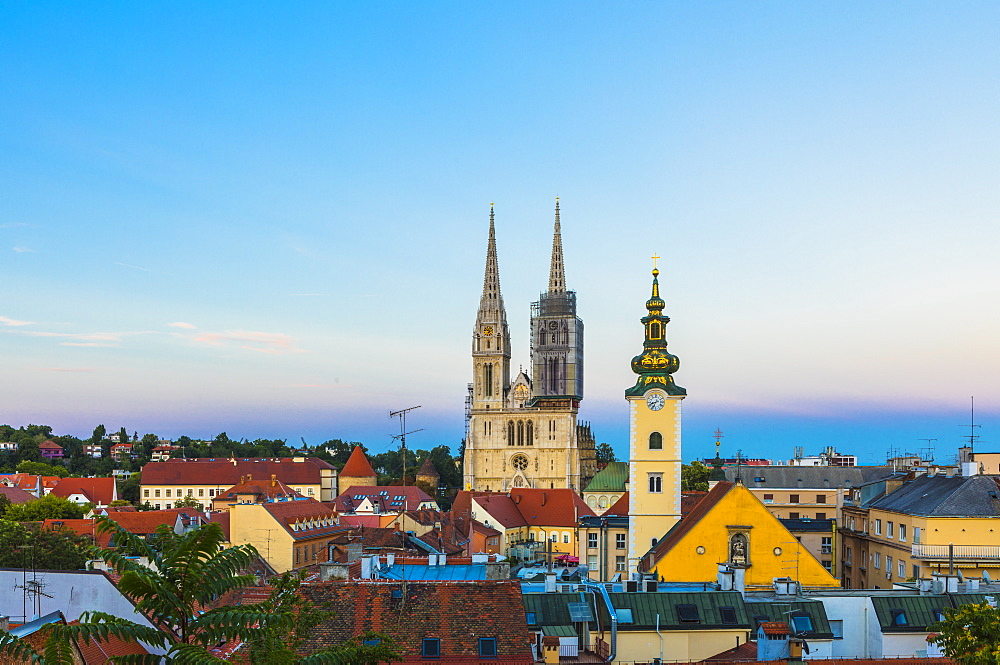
x,y
557,272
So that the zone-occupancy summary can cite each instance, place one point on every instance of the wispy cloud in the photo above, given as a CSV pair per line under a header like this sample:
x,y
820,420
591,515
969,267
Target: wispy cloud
x,y
103,339
129,265
251,340
181,324
14,322
21,250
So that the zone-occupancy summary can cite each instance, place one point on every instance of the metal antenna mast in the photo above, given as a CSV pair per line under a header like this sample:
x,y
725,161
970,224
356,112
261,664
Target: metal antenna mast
x,y
972,437
928,449
401,414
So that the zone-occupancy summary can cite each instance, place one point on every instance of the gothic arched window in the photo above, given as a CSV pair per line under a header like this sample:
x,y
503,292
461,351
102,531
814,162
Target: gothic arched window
x,y
520,432
530,433
510,432
656,441
488,380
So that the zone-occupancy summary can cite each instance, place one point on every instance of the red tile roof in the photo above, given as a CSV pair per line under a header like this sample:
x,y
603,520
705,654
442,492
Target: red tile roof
x,y
456,613
263,490
221,517
746,651
687,523
500,507
775,628
227,472
357,465
49,445
100,652
619,507
313,518
552,507
144,523
385,497
97,490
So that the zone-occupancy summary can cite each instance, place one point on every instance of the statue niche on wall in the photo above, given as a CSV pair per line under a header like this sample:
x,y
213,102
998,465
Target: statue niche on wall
x,y
739,549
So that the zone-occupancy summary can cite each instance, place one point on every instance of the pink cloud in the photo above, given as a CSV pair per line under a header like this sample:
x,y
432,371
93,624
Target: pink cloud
x,y
13,322
251,340
181,324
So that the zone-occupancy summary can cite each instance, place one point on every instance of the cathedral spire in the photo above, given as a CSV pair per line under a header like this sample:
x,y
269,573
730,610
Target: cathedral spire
x,y
557,272
491,299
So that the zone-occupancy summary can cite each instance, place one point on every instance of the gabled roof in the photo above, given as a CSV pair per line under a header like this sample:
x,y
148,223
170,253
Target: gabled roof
x,y
500,507
16,494
388,498
456,613
222,472
775,628
611,478
551,507
782,611
941,496
706,607
97,490
49,445
262,490
145,523
619,507
357,465
917,612
687,523
313,519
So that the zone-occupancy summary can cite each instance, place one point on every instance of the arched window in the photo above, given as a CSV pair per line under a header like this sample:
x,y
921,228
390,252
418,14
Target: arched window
x,y
656,441
654,330
488,380
520,432
510,432
530,433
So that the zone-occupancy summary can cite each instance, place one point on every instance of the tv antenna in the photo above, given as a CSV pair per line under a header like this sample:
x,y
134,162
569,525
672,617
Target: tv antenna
x,y
401,414
928,450
972,437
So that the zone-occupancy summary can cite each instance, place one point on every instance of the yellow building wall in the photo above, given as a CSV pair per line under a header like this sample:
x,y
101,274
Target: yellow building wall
x,y
250,524
739,507
687,645
652,514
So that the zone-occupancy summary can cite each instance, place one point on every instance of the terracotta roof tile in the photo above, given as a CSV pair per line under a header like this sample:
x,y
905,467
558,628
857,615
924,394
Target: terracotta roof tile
x,y
357,465
384,496
775,628
227,472
619,507
16,494
97,490
551,507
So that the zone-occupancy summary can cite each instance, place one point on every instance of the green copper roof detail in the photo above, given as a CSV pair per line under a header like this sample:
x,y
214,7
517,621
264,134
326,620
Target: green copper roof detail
x,y
611,478
655,364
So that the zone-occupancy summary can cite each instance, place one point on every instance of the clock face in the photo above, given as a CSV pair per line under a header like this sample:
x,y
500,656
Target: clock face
x,y
553,325
655,401
488,330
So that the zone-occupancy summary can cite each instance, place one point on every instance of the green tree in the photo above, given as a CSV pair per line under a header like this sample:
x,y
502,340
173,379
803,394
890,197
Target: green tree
x,y
189,502
188,573
694,477
24,546
123,436
42,469
605,453
970,635
48,507
128,488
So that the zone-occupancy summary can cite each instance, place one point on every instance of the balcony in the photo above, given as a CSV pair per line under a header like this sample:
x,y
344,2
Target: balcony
x,y
960,552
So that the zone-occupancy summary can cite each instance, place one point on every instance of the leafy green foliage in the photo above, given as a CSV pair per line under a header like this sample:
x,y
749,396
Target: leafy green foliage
x,y
605,453
189,502
189,574
42,469
31,546
970,635
128,488
694,477
49,506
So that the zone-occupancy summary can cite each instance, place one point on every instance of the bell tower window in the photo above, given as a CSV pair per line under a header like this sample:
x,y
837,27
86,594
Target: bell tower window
x,y
656,441
488,379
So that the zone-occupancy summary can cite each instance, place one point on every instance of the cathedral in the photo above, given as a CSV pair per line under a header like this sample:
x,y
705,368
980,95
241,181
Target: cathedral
x,y
525,433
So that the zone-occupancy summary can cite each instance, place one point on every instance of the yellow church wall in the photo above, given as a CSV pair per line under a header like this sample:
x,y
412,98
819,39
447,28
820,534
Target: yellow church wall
x,y
696,557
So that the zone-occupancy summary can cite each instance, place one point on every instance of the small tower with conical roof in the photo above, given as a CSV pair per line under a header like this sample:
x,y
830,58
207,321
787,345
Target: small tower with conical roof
x,y
654,404
357,472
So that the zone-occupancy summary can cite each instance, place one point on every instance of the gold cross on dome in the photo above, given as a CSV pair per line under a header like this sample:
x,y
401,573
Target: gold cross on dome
x,y
654,257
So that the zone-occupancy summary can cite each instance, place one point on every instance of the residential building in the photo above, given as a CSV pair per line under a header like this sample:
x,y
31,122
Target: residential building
x,y
526,433
819,538
376,500
122,451
905,528
93,450
253,491
51,450
97,491
829,457
203,478
289,534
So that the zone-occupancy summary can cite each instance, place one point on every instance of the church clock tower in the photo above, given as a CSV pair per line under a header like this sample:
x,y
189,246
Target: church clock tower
x,y
490,342
654,404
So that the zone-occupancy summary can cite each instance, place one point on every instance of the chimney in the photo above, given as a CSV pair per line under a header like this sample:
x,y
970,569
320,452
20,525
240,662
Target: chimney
x,y
274,480
544,497
249,476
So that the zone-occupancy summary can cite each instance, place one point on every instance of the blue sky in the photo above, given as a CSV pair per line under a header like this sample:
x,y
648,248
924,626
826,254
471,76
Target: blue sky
x,y
270,220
